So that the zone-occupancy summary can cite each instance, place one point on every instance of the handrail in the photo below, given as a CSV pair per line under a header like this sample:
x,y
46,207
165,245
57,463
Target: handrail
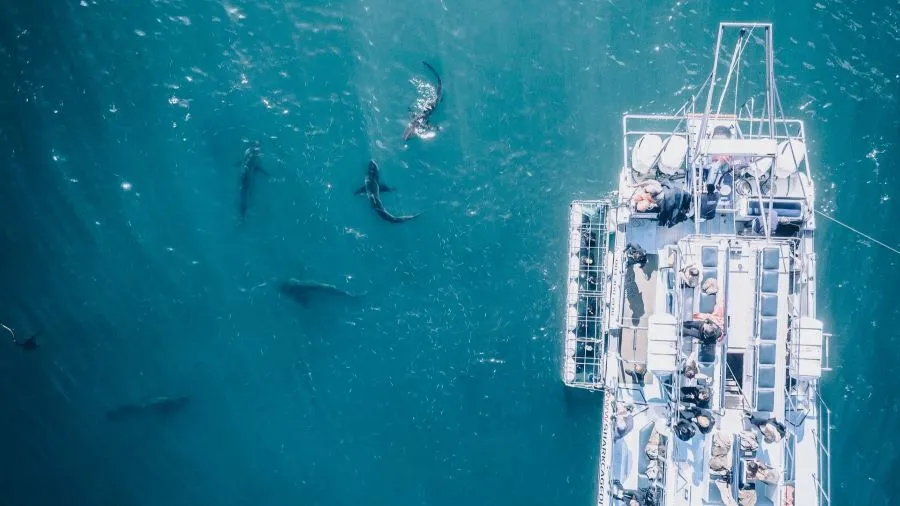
x,y
609,411
822,435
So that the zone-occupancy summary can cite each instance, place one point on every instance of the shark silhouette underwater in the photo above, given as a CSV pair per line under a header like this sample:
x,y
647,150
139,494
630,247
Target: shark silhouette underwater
x,y
161,407
305,292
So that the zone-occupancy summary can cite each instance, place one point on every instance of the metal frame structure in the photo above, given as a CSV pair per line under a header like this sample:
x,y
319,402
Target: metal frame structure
x,y
585,330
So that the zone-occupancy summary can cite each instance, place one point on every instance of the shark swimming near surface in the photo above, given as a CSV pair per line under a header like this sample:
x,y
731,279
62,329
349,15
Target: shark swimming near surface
x,y
419,123
160,406
304,292
250,165
29,344
372,187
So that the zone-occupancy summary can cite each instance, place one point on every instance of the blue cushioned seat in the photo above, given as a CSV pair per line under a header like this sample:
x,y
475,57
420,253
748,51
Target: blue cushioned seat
x,y
765,400
767,354
709,256
770,258
768,305
768,329
769,282
765,377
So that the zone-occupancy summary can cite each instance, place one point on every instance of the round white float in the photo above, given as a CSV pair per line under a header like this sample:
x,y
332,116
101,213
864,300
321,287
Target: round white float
x,y
570,345
791,154
570,370
761,166
571,318
645,152
572,294
672,157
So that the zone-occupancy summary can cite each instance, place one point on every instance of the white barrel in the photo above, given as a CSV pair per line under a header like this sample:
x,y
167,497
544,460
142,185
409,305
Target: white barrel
x,y
575,214
574,266
571,318
644,153
570,345
572,293
570,370
791,154
672,157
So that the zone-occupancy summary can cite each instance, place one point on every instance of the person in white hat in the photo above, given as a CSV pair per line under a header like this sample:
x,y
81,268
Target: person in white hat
x,y
690,276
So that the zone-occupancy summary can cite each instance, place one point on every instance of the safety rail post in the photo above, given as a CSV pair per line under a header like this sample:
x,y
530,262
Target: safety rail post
x,y
827,355
823,440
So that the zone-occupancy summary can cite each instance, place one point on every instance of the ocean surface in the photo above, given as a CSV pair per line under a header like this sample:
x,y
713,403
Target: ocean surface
x,y
122,124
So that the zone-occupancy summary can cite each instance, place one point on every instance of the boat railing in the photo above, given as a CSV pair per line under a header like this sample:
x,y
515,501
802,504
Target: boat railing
x,y
826,351
604,496
821,413
789,442
635,126
822,434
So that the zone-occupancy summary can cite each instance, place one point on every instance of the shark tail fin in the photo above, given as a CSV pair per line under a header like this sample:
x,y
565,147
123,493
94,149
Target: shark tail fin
x,y
437,77
410,130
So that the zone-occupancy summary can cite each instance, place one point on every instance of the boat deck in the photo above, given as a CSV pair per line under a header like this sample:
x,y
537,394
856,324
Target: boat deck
x,y
640,303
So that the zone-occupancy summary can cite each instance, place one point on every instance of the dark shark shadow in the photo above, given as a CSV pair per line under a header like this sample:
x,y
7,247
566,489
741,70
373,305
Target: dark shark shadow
x,y
250,165
159,407
307,292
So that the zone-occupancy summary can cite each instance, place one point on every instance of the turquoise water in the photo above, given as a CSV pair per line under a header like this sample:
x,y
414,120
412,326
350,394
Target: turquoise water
x,y
122,123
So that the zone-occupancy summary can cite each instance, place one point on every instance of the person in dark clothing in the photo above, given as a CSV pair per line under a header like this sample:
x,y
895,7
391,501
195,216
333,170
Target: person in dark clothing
x,y
635,255
638,373
707,353
705,422
772,430
698,396
685,430
771,223
708,202
674,204
701,418
706,331
643,497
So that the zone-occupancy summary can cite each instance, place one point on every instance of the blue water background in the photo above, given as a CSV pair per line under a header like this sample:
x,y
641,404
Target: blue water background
x,y
121,125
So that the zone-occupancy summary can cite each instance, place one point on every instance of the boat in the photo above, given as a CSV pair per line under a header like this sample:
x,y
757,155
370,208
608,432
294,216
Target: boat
x,y
691,300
